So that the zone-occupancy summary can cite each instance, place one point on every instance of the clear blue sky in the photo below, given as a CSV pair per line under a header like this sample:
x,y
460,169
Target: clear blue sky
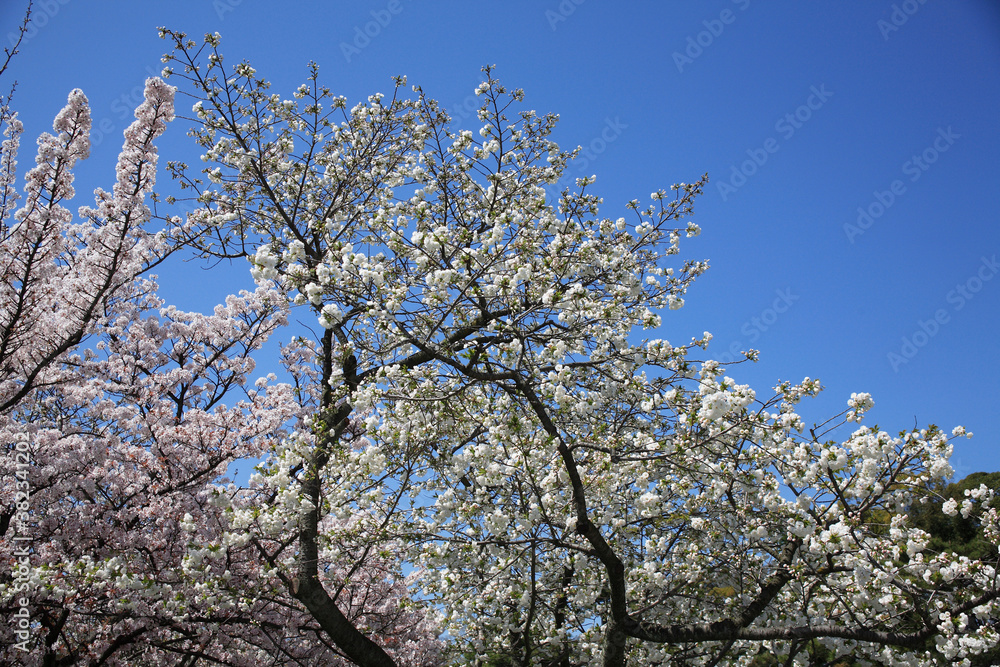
x,y
801,113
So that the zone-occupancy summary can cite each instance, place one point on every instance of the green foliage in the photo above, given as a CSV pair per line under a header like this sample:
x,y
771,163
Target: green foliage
x,y
815,653
963,535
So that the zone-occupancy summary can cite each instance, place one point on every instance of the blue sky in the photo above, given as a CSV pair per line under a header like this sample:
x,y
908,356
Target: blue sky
x,y
851,219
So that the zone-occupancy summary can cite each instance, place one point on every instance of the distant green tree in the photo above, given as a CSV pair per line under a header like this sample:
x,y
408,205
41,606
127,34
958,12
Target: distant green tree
x,y
960,534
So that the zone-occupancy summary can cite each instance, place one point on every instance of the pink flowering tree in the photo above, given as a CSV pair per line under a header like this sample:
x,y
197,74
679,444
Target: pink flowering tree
x,y
481,396
120,417
58,275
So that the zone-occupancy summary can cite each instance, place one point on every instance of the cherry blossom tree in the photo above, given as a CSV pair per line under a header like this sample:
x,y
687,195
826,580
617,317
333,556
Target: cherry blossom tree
x,y
120,417
478,454
481,396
